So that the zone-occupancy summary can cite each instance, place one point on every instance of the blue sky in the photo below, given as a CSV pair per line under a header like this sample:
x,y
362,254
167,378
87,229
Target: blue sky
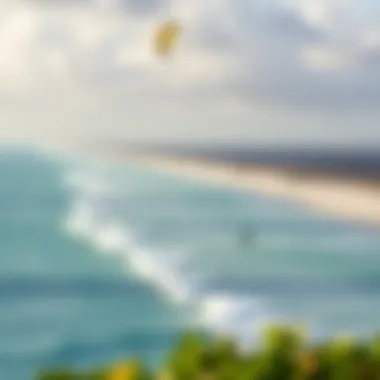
x,y
262,72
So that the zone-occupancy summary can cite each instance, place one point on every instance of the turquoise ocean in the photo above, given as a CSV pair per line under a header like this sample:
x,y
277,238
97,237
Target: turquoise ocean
x,y
99,261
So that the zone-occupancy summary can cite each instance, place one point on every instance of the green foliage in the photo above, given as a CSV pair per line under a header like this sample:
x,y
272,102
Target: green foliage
x,y
284,355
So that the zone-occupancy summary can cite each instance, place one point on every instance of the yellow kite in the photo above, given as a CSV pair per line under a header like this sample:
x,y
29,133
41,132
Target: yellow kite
x,y
166,37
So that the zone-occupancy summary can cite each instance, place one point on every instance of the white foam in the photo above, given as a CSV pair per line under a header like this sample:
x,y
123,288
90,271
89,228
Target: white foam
x,y
163,268
241,317
79,221
109,237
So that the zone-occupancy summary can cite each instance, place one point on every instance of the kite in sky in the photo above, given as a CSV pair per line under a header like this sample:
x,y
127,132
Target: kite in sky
x,y
166,38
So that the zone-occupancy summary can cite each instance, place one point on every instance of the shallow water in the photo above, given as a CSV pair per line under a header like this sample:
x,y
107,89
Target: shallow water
x,y
100,261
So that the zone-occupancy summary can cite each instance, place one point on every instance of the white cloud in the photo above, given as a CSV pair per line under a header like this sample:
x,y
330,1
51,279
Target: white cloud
x,y
87,69
322,58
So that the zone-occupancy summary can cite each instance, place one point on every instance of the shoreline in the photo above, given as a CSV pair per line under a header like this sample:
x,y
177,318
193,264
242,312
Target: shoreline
x,y
344,198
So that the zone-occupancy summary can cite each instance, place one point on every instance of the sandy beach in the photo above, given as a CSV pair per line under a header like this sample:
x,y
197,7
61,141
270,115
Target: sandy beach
x,y
347,199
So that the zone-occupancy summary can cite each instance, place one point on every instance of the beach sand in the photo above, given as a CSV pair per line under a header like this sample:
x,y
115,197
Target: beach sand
x,y
344,198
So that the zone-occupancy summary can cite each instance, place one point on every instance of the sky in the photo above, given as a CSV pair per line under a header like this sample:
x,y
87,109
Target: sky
x,y
244,71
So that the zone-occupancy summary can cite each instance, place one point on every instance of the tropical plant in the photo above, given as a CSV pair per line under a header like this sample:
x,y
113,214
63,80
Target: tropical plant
x,y
283,355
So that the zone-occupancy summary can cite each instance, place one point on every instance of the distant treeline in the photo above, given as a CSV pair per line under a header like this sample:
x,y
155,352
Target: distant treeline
x,y
284,354
358,163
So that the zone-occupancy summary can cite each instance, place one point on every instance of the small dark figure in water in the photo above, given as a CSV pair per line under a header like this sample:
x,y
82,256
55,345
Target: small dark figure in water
x,y
247,237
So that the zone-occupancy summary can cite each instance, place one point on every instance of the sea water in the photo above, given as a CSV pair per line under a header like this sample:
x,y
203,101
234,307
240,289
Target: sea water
x,y
100,261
